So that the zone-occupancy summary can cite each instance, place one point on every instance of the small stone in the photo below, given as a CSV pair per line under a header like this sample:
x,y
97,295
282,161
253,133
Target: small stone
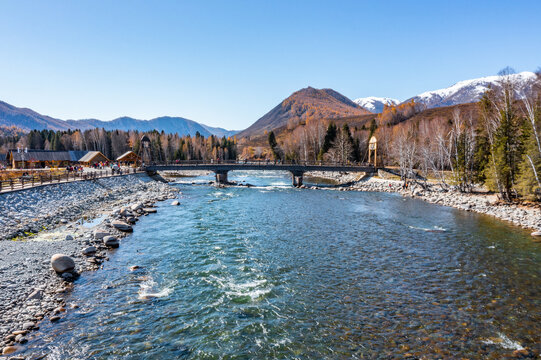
x,y
67,276
536,233
89,251
54,318
175,203
21,339
69,237
35,295
100,234
150,210
111,241
63,221
134,267
9,350
62,263
28,325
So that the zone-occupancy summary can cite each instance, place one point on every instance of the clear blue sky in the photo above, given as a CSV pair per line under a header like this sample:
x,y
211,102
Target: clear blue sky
x,y
226,63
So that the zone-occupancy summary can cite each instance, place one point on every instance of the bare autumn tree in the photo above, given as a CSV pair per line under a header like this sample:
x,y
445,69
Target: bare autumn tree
x,y
462,151
405,151
434,154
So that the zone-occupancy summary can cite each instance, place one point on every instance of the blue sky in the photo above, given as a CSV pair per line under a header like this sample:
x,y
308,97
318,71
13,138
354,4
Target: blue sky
x,y
226,63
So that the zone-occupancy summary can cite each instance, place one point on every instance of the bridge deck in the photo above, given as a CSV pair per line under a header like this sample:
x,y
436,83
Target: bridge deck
x,y
294,168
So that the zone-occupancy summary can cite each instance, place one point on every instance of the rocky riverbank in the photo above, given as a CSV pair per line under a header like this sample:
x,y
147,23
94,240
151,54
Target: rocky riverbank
x,y
524,216
81,220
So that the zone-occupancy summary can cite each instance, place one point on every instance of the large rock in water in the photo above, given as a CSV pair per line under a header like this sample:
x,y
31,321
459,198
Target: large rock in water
x,y
122,226
111,241
62,263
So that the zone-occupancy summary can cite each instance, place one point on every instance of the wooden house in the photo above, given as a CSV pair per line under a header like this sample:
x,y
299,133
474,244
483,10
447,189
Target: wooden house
x,y
129,158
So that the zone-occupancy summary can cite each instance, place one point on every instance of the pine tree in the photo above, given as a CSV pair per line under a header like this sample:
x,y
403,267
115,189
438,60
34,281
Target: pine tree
x,y
529,182
507,145
330,136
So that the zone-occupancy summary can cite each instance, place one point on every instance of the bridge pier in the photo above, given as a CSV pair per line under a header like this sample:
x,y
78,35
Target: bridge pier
x,y
221,177
296,177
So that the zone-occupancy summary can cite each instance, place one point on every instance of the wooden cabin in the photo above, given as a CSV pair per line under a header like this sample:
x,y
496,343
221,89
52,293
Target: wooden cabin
x,y
129,158
38,159
93,157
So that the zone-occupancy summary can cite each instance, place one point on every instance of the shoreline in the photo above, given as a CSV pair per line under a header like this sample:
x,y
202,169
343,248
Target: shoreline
x,y
30,290
528,217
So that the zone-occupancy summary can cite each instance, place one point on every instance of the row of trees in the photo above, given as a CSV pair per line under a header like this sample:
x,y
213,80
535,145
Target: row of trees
x,y
164,147
498,145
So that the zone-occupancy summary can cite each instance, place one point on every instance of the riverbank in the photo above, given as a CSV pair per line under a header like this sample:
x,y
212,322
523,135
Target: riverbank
x,y
71,219
524,216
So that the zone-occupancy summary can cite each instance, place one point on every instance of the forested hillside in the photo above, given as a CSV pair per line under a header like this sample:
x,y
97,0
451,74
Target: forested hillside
x,y
495,142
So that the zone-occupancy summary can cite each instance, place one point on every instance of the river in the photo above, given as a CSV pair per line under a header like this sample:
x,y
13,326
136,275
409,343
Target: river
x,y
277,272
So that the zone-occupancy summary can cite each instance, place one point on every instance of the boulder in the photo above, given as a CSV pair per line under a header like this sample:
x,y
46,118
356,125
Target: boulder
x,y
28,325
136,207
9,350
122,226
175,203
111,241
100,234
89,251
21,339
62,263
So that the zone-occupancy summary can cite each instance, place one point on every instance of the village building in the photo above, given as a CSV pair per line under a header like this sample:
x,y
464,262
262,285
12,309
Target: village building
x,y
129,158
93,157
40,159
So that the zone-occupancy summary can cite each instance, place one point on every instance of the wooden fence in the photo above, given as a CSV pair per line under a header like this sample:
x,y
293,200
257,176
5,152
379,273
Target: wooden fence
x,y
27,181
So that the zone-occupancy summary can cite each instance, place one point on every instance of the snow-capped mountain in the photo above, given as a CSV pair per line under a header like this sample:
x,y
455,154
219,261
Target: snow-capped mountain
x,y
469,91
375,104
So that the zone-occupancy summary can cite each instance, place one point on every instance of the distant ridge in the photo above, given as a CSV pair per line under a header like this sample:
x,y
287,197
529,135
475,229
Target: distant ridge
x,y
302,105
28,119
469,91
375,104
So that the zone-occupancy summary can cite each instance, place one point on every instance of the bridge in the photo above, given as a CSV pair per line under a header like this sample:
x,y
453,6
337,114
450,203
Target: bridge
x,y
297,169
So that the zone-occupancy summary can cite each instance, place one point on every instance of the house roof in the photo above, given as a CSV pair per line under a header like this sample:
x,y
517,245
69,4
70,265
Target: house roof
x,y
89,156
40,155
75,155
126,155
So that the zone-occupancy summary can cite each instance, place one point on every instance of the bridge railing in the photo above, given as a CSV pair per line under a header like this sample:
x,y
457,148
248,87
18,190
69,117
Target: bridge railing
x,y
256,163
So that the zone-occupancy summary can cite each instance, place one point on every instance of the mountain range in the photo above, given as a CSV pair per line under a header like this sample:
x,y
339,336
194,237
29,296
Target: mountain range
x,y
302,106
469,91
28,119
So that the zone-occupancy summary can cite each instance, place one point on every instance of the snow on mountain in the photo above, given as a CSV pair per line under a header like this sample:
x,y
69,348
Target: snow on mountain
x,y
469,91
375,104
